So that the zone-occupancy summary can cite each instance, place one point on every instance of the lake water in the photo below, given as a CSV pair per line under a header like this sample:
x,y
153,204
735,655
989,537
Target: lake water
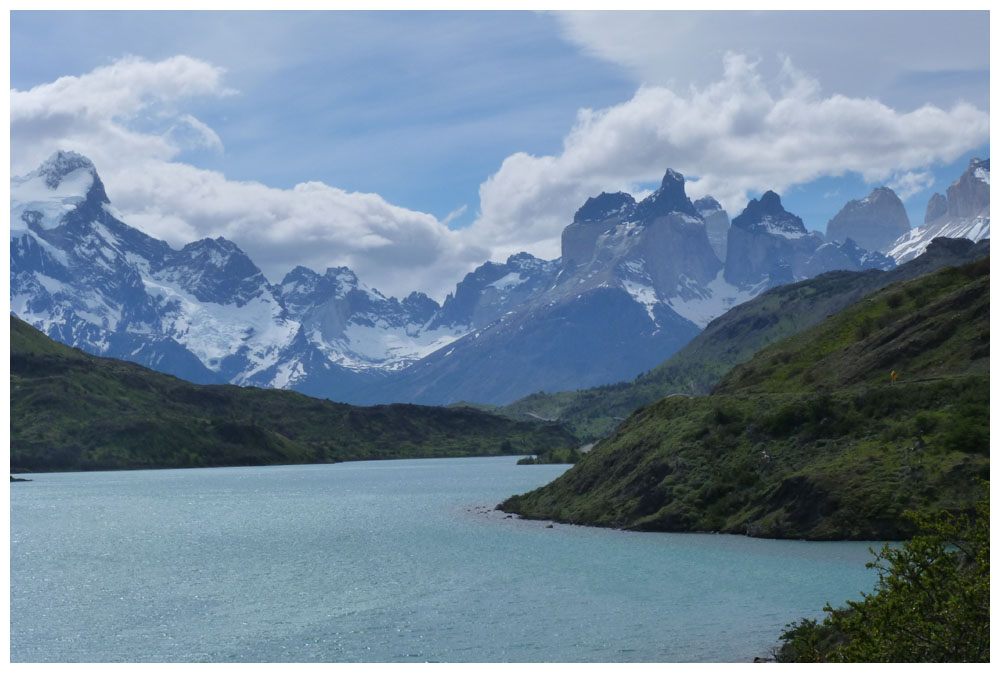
x,y
384,561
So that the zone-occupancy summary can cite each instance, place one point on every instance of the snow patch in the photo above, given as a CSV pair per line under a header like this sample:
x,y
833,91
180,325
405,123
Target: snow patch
x,y
771,226
710,302
643,294
213,331
386,347
509,281
287,374
913,244
33,194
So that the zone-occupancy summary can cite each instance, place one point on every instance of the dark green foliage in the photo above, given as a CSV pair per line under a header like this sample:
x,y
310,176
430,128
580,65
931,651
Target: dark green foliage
x,y
773,454
931,604
72,411
808,641
819,466
933,334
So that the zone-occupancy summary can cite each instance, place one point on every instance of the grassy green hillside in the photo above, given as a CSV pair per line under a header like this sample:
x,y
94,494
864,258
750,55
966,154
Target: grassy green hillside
x,y
932,328
810,439
732,339
73,411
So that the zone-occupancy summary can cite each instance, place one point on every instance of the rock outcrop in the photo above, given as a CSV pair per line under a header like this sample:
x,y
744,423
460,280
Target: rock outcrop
x,y
963,213
874,222
716,224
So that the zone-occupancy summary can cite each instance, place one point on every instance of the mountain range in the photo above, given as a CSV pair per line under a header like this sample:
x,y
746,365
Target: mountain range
x,y
635,282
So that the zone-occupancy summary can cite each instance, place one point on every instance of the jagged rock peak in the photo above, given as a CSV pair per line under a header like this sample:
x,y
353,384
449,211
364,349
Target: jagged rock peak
x,y
669,198
604,206
768,209
521,258
342,274
218,243
420,306
771,202
707,204
526,262
982,165
61,164
937,206
716,225
220,253
672,177
300,273
967,197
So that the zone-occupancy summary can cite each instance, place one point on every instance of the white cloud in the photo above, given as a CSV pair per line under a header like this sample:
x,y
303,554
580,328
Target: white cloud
x,y
203,133
735,136
93,113
910,183
742,133
856,53
312,224
455,214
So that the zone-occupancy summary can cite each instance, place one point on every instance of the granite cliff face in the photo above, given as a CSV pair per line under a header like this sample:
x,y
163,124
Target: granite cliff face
x,y
766,243
874,222
963,213
937,206
969,196
716,224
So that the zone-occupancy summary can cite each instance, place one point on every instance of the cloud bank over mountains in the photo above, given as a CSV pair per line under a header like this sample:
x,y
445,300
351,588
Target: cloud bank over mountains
x,y
741,134
905,59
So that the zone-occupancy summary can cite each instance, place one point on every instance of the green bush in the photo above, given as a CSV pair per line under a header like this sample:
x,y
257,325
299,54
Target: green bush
x,y
931,602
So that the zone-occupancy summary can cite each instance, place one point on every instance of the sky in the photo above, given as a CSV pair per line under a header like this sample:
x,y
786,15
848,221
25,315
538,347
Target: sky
x,y
414,146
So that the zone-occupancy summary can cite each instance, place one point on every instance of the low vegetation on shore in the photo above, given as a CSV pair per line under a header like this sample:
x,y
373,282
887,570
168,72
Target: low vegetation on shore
x,y
931,604
811,438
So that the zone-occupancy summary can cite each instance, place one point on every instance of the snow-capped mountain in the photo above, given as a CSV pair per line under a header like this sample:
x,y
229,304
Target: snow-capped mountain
x,y
600,313
84,277
204,312
635,282
963,213
357,327
493,290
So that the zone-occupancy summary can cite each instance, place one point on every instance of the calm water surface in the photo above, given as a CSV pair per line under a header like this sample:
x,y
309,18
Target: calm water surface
x,y
384,561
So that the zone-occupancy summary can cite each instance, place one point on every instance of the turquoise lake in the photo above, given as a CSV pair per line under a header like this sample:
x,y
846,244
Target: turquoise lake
x,y
385,561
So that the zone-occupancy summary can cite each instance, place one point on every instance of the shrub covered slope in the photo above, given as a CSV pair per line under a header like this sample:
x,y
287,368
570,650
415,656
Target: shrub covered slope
x,y
72,411
810,439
